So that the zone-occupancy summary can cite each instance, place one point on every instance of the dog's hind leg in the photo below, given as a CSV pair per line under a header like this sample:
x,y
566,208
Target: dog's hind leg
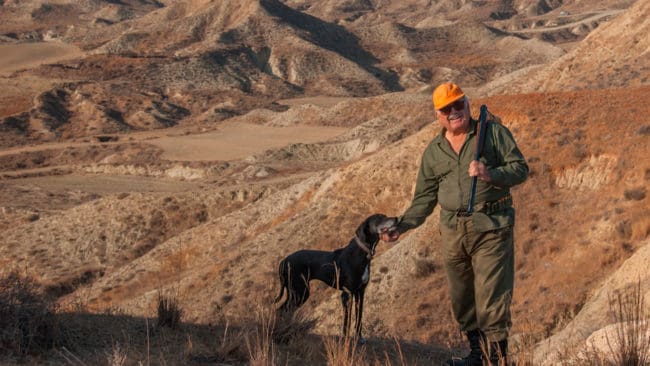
x,y
282,274
297,292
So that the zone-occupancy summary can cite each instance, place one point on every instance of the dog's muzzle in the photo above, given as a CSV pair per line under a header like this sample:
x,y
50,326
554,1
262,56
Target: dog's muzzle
x,y
388,227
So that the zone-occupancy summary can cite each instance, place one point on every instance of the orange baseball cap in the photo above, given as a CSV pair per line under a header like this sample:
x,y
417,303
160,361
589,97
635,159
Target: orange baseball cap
x,y
445,94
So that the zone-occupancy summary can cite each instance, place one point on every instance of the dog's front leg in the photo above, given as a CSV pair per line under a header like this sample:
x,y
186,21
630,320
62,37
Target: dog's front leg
x,y
358,299
347,314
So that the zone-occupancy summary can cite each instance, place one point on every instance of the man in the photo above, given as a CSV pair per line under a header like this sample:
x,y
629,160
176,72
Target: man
x,y
477,246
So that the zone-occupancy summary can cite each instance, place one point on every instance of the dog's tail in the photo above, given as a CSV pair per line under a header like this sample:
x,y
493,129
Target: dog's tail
x,y
282,274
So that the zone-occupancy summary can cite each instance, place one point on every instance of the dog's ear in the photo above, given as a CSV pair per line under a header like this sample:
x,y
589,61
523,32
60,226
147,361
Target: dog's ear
x,y
362,231
367,231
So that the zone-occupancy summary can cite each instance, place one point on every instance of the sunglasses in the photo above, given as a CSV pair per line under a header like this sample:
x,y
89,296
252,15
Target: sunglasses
x,y
458,105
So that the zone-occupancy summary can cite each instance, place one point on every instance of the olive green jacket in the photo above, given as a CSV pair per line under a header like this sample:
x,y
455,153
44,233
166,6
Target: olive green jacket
x,y
443,178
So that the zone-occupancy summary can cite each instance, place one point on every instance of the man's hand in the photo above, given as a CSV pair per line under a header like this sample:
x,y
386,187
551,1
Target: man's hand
x,y
389,235
478,169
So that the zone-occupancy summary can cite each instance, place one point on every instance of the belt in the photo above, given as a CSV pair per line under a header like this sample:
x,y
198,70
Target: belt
x,y
489,207
498,205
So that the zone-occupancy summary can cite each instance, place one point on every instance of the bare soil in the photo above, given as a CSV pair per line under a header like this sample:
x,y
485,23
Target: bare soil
x,y
234,141
20,56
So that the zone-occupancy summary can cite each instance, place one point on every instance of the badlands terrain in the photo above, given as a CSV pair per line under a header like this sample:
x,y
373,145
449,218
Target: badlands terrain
x,y
182,148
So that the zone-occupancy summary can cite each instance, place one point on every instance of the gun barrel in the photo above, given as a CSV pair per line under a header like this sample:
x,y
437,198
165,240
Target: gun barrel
x,y
480,142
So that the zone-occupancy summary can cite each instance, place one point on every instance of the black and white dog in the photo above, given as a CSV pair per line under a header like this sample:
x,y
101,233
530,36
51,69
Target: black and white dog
x,y
346,269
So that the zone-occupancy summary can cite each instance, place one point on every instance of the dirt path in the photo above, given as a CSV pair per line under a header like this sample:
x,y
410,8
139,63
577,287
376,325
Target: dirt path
x,y
20,56
318,101
104,184
592,18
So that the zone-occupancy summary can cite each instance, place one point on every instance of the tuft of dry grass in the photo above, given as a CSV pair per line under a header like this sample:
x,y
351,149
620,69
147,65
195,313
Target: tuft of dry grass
x,y
117,357
169,312
289,326
343,351
259,340
631,346
425,267
628,344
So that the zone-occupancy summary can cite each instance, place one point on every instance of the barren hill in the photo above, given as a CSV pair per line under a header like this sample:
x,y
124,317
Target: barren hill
x,y
115,190
613,55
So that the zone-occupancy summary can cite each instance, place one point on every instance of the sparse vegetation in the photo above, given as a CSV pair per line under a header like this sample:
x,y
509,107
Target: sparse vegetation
x,y
259,340
169,312
631,344
28,319
626,342
289,327
424,267
636,194
344,351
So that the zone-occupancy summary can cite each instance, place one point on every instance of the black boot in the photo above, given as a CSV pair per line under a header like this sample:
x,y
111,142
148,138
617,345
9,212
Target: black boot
x,y
476,339
499,353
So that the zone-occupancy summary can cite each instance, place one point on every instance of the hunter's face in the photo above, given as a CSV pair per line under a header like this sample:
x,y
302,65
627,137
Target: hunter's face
x,y
455,116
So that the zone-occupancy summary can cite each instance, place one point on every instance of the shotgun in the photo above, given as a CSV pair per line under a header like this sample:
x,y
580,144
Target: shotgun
x,y
480,142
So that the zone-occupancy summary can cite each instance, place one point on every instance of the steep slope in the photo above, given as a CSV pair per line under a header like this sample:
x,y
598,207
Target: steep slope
x,y
614,55
426,43
174,64
557,264
597,313
283,42
226,265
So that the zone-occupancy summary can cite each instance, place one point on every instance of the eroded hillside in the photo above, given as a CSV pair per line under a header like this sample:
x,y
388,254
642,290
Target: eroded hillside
x,y
112,192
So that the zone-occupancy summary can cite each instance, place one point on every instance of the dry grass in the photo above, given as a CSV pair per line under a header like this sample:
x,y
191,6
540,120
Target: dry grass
x,y
117,356
28,319
344,351
113,339
291,327
169,312
259,340
628,344
631,346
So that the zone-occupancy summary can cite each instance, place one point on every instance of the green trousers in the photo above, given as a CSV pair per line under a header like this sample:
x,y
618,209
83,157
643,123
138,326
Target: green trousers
x,y
480,271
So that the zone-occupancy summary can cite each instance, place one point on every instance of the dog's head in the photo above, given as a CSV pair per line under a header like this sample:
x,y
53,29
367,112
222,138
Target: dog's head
x,y
373,226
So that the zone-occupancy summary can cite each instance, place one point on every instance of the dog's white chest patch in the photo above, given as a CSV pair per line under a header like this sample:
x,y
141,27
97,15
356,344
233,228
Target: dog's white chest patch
x,y
366,275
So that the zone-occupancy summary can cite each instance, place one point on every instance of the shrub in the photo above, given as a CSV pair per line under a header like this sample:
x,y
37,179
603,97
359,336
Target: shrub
x,y
28,322
169,312
635,194
424,268
289,326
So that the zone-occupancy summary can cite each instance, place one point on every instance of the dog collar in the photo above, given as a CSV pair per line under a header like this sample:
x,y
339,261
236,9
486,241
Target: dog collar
x,y
364,247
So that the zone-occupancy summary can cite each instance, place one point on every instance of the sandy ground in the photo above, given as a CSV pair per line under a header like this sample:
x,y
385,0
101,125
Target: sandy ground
x,y
317,101
231,142
105,184
239,140
20,56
